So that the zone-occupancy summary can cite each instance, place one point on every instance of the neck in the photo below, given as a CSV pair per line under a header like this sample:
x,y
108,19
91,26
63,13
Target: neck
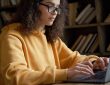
x,y
40,28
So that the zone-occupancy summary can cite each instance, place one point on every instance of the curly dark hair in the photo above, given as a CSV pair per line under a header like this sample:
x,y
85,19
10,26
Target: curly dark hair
x,y
27,14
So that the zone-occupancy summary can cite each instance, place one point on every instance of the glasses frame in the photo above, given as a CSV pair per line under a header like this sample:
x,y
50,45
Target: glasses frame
x,y
58,9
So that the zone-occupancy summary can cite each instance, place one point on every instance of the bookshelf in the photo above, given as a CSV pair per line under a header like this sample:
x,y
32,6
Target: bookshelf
x,y
97,25
93,23
7,10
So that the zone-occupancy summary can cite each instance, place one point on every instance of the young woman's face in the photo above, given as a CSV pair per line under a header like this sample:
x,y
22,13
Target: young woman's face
x,y
49,10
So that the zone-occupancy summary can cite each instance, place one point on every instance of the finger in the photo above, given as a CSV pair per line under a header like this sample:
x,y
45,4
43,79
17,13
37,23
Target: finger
x,y
85,68
88,63
106,60
80,74
84,73
101,63
90,71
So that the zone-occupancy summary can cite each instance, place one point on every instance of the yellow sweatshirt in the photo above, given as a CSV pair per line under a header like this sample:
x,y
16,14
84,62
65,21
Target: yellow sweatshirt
x,y
31,60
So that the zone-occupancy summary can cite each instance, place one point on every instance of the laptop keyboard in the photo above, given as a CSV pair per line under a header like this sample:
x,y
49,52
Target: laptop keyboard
x,y
98,75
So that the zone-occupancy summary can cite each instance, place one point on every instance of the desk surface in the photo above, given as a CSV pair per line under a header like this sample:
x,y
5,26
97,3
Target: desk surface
x,y
81,84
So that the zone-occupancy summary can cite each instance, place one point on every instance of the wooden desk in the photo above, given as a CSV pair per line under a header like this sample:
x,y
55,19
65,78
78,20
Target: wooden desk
x,y
80,84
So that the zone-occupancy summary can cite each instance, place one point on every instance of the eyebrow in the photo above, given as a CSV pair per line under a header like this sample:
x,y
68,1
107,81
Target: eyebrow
x,y
51,3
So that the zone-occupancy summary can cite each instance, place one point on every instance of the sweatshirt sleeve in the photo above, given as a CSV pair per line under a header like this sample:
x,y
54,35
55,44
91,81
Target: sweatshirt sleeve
x,y
14,68
70,58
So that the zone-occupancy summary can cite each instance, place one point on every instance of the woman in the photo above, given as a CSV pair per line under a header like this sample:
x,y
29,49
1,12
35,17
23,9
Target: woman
x,y
32,52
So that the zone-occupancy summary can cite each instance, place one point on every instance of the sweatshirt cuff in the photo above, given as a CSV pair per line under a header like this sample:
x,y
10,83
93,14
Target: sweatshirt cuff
x,y
61,75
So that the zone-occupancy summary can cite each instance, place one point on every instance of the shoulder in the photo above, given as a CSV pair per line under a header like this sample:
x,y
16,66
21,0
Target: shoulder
x,y
11,29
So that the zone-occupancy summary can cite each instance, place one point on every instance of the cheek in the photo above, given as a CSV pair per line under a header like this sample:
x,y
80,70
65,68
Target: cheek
x,y
44,15
44,12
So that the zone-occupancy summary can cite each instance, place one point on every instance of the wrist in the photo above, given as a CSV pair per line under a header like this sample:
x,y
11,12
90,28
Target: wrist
x,y
67,74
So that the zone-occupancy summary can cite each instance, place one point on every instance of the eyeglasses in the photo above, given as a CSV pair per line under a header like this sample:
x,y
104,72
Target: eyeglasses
x,y
52,9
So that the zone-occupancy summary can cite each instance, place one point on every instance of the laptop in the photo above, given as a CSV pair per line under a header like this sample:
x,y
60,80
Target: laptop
x,y
100,77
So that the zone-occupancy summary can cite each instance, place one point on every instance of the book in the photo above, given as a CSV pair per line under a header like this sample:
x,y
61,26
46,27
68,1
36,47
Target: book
x,y
90,43
18,1
108,48
72,13
76,42
89,11
79,46
6,16
1,22
87,40
82,13
5,3
90,17
107,18
94,46
13,2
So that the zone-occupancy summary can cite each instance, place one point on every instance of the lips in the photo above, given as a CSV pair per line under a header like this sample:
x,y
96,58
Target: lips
x,y
52,19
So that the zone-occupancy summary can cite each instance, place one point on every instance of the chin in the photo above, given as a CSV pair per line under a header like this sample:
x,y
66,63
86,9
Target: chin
x,y
49,24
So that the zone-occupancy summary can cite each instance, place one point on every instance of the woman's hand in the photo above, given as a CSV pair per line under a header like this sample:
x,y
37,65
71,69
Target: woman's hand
x,y
101,63
80,70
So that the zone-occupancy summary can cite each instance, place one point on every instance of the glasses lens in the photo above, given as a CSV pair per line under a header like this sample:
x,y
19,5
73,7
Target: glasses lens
x,y
59,10
53,9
